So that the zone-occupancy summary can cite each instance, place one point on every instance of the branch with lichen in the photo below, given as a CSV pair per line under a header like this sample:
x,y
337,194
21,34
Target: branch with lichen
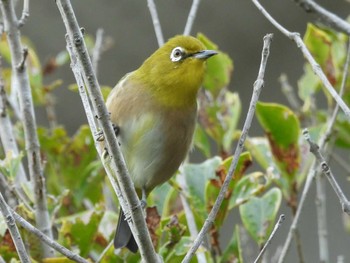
x,y
259,83
21,84
116,167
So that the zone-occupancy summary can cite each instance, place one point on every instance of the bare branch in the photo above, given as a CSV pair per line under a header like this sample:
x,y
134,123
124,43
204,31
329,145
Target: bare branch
x,y
12,227
116,161
191,17
21,81
289,93
191,223
98,49
314,148
156,24
256,92
320,180
7,136
25,13
316,67
104,251
327,17
47,240
274,231
312,173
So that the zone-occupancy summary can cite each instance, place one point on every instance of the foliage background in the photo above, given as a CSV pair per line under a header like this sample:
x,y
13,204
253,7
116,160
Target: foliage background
x,y
236,26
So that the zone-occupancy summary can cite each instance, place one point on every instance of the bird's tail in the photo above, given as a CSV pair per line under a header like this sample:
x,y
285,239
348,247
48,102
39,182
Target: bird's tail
x,y
123,236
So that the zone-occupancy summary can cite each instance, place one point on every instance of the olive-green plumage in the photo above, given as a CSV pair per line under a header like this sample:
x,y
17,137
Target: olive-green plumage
x,y
155,109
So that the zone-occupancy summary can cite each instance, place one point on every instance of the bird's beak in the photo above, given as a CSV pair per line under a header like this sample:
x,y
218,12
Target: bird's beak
x,y
205,54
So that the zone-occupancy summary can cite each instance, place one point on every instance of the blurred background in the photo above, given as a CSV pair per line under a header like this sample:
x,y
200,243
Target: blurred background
x,y
237,27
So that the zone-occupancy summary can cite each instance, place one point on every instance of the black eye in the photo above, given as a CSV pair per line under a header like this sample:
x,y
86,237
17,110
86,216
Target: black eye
x,y
176,54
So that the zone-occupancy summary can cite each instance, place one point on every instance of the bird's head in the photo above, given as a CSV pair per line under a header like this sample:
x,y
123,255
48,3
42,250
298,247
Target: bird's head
x,y
174,72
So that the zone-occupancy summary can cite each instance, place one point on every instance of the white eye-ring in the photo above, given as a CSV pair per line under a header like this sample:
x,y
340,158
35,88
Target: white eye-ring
x,y
177,54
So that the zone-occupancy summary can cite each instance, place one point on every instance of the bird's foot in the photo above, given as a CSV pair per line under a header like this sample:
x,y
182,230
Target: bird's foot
x,y
116,129
99,136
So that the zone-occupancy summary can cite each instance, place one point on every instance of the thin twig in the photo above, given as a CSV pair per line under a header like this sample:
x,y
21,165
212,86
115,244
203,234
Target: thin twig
x,y
104,252
313,172
293,227
47,240
191,17
12,227
116,161
327,17
256,92
7,137
21,80
289,93
98,49
277,226
25,13
321,210
156,24
190,219
320,180
8,191
315,66
315,150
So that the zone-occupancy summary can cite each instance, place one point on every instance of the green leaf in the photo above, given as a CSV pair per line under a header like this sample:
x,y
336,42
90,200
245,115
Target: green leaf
x,y
72,164
233,251
319,43
197,175
248,186
259,148
162,197
9,166
5,49
213,186
201,141
219,68
81,230
230,118
342,128
259,214
308,85
219,118
282,129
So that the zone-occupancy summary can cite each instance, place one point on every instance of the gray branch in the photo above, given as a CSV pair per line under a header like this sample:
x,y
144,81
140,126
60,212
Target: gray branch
x,y
327,17
98,49
116,160
47,240
12,227
313,172
316,67
274,231
20,79
315,150
7,136
156,24
191,17
25,13
259,83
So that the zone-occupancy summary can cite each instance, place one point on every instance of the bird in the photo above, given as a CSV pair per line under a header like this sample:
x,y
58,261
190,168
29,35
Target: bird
x,y
154,111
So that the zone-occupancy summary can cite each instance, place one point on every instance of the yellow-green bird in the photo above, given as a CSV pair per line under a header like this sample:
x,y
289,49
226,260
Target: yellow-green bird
x,y
154,109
